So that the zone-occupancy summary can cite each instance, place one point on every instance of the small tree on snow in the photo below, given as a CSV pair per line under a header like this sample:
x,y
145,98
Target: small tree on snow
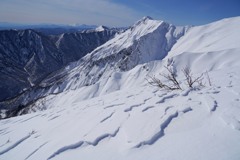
x,y
190,79
170,77
173,83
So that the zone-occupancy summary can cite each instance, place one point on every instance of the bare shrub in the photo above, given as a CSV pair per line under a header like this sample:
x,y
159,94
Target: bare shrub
x,y
170,77
174,84
190,79
208,78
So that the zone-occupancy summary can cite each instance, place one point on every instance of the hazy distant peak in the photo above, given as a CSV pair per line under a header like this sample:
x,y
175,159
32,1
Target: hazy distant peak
x,y
101,28
146,18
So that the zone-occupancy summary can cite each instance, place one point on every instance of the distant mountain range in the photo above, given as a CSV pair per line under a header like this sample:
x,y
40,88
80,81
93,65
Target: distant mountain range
x,y
6,25
34,66
28,56
48,29
155,91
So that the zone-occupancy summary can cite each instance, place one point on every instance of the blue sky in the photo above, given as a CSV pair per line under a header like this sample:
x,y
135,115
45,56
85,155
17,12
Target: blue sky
x,y
116,12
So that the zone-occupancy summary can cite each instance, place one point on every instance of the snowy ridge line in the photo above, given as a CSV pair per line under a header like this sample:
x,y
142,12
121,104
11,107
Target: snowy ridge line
x,y
123,52
80,143
159,132
15,144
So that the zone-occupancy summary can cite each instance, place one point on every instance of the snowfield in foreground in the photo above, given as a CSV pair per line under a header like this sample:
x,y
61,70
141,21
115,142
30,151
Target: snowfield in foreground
x,y
139,123
122,117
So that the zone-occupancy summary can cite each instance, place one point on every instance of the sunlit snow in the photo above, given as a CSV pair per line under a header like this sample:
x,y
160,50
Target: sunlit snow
x,y
122,117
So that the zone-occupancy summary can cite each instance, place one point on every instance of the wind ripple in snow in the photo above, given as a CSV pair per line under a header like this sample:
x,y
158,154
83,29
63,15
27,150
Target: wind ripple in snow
x,y
167,97
107,118
110,106
163,126
188,109
133,106
160,133
147,108
137,105
35,150
15,144
80,143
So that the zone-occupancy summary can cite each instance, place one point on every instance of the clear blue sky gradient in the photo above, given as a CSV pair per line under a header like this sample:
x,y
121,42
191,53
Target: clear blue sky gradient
x,y
184,12
116,12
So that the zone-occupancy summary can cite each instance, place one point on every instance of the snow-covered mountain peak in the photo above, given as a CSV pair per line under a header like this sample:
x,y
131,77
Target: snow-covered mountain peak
x,y
127,38
145,18
116,113
146,21
101,28
146,40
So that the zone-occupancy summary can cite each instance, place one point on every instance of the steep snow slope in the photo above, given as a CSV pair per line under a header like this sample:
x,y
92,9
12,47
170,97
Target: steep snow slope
x,y
106,66
216,36
121,117
212,46
145,41
136,123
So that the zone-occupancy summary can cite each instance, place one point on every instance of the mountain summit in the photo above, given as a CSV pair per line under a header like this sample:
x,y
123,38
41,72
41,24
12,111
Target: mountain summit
x,y
101,28
105,108
145,18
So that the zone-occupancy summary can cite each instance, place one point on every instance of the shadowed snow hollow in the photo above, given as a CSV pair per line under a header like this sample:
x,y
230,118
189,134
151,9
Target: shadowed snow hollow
x,y
105,109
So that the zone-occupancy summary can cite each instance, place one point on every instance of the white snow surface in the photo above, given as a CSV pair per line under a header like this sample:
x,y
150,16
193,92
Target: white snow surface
x,y
137,35
146,41
123,117
216,36
100,28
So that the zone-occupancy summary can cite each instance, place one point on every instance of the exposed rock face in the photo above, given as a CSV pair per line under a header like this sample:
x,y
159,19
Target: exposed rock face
x,y
145,41
27,56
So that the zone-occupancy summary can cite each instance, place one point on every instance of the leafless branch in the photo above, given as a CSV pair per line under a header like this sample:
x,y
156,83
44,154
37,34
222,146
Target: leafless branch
x,y
189,77
208,78
170,76
173,83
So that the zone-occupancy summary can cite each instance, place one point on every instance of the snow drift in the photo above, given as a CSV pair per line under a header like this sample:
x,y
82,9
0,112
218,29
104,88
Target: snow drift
x,y
103,108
